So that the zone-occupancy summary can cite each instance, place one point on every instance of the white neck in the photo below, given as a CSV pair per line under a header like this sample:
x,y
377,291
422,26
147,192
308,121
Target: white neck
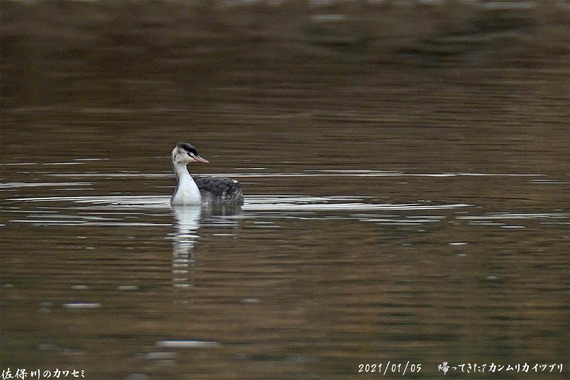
x,y
186,193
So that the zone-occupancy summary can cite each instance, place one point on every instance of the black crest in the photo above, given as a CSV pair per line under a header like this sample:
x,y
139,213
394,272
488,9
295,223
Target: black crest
x,y
187,147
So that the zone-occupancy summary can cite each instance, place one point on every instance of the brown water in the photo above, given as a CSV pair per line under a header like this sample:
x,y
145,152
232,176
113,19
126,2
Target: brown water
x,y
393,214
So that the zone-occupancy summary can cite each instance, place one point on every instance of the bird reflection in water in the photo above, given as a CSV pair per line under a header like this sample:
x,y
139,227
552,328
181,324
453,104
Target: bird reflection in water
x,y
188,220
185,237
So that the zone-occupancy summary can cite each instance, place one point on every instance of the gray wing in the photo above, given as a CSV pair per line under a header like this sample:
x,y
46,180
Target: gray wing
x,y
219,189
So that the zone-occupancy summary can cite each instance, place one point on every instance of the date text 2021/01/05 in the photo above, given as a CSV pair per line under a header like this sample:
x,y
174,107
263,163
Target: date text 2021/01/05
x,y
390,368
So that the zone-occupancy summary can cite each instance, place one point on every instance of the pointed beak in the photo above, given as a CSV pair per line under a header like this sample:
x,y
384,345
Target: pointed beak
x,y
201,159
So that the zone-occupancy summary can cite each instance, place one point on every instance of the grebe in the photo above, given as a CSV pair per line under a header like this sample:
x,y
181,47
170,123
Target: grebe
x,y
200,190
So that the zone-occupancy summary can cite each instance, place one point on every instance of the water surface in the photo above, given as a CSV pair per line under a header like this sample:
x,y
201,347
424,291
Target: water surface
x,y
289,285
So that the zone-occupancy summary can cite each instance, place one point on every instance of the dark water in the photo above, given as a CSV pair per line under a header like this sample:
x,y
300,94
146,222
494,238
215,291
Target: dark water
x,y
393,214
